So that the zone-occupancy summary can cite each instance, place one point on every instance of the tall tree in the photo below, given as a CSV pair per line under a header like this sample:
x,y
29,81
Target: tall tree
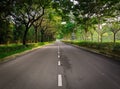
x,y
114,28
37,26
28,12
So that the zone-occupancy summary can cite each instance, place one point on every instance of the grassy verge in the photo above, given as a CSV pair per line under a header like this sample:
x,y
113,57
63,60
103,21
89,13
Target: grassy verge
x,y
107,48
11,49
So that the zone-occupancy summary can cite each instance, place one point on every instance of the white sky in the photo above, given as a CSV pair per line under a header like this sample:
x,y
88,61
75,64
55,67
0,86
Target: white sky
x,y
75,2
63,23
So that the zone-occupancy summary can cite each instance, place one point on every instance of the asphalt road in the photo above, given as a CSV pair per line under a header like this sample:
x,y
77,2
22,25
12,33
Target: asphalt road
x,y
60,66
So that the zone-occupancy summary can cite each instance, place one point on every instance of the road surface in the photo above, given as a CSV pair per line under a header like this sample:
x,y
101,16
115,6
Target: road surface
x,y
60,66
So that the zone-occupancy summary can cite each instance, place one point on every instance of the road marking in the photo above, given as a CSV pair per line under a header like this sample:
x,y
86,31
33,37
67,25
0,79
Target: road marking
x,y
59,80
59,63
58,56
58,51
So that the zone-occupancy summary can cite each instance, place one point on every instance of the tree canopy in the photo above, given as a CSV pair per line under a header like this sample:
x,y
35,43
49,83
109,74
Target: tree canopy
x,y
20,17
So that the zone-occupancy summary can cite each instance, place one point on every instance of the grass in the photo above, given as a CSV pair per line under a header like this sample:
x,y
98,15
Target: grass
x,y
108,48
8,50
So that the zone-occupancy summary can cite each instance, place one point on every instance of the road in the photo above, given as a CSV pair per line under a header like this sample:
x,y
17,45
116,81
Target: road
x,y
60,66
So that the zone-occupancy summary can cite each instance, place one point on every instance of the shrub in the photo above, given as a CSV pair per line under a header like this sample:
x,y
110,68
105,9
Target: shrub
x,y
116,48
106,47
17,48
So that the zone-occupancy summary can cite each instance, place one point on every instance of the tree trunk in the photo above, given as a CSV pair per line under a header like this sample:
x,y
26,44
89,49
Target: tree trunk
x,y
101,38
85,35
42,35
98,38
25,36
91,36
99,28
36,35
114,38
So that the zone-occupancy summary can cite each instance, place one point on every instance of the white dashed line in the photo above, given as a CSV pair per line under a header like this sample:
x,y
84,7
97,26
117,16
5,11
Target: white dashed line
x,y
59,75
58,56
58,51
60,80
59,63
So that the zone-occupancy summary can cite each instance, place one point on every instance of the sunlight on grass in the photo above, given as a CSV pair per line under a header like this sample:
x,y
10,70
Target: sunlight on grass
x,y
7,50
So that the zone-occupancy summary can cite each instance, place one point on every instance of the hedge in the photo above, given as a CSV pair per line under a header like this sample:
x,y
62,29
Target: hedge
x,y
102,47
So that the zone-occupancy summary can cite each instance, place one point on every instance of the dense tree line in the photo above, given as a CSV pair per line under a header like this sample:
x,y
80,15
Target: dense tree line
x,y
90,16
24,21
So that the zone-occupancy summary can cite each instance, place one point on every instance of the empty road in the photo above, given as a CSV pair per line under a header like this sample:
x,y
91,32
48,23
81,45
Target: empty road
x,y
60,66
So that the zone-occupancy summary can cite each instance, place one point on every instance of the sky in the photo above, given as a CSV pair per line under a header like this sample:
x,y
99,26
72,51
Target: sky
x,y
75,2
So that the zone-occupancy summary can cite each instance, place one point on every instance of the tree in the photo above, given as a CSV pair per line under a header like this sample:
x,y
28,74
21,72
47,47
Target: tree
x,y
6,7
18,32
102,31
67,29
28,12
37,26
114,28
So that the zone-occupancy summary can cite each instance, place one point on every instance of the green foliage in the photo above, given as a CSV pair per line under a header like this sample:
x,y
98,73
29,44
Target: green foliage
x,y
17,48
106,47
115,27
116,48
85,13
18,32
31,35
9,50
89,13
63,7
6,31
68,28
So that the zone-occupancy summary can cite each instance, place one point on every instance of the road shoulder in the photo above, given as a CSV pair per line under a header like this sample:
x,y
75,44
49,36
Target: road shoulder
x,y
109,55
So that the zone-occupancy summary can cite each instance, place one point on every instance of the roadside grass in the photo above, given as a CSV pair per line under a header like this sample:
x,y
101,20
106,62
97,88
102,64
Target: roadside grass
x,y
108,48
8,50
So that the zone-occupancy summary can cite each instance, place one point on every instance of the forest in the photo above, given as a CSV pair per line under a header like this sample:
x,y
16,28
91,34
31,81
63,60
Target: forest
x,y
36,21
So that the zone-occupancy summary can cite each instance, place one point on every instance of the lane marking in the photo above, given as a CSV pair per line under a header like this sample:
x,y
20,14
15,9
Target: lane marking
x,y
60,80
58,51
58,56
59,63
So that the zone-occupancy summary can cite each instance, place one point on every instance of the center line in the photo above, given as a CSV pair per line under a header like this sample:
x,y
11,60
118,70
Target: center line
x,y
59,63
58,56
59,80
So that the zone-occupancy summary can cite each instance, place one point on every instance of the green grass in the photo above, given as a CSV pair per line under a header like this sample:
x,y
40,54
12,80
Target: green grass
x,y
8,50
105,47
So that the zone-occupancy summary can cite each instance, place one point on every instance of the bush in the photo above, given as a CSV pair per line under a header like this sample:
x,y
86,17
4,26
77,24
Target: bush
x,y
116,48
106,47
14,48
9,50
